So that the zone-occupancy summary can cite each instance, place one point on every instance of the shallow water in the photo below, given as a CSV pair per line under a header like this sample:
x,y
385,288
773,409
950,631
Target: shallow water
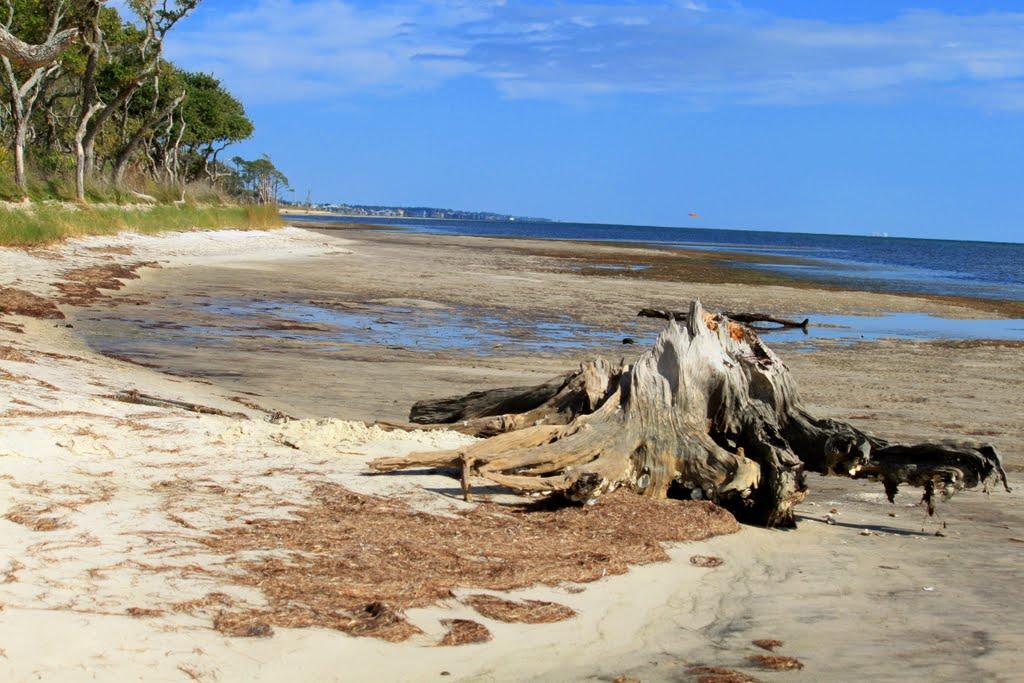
x,y
467,330
219,321
919,326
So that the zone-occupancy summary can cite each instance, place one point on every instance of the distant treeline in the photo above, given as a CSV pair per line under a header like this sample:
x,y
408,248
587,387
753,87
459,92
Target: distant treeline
x,y
93,111
421,212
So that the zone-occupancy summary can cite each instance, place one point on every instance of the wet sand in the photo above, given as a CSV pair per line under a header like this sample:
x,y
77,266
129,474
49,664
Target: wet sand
x,y
877,594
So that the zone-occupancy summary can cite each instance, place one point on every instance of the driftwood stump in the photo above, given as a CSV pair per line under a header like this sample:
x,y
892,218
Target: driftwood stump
x,y
710,412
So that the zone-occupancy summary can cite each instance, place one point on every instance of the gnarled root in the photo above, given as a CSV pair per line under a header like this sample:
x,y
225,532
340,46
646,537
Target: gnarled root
x,y
710,411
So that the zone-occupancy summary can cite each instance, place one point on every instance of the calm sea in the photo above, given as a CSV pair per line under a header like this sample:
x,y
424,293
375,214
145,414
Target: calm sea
x,y
985,269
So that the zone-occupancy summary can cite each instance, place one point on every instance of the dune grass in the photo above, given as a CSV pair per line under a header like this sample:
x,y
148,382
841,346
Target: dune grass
x,y
48,223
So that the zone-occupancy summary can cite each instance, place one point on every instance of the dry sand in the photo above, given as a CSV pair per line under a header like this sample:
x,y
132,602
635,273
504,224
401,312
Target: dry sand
x,y
105,501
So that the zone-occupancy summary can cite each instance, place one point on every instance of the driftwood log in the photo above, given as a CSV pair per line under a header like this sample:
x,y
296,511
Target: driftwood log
x,y
710,412
752,319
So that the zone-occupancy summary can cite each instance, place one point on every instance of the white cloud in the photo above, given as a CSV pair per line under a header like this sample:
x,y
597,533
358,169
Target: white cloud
x,y
325,49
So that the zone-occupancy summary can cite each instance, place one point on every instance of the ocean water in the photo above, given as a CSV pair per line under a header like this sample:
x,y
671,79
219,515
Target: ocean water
x,y
983,269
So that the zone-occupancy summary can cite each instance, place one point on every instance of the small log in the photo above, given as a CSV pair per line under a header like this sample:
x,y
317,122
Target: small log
x,y
485,403
710,411
750,319
133,396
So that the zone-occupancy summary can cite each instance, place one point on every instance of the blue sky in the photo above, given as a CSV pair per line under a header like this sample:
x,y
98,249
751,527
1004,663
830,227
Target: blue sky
x,y
854,117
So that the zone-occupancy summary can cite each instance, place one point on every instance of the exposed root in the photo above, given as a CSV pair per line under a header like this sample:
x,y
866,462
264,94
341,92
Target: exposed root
x,y
709,412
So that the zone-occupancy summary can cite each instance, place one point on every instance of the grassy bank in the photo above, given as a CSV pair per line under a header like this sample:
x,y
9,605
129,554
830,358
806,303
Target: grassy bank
x,y
45,224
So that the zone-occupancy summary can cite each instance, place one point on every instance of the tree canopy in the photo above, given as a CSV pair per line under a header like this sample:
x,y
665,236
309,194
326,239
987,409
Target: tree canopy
x,y
90,102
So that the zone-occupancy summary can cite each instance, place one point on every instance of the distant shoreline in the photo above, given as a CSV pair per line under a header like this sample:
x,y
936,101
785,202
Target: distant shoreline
x,y
734,264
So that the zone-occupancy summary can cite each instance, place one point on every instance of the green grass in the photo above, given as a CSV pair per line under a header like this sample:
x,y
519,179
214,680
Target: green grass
x,y
47,223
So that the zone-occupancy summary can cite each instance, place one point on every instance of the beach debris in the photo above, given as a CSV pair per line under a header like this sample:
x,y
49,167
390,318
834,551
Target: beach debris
x,y
353,562
719,674
464,632
707,561
928,589
12,354
709,407
243,625
19,302
138,398
625,679
750,319
769,644
628,340
36,518
830,519
525,612
82,286
776,662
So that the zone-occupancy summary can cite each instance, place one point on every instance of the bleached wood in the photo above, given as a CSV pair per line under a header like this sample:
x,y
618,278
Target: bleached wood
x,y
711,412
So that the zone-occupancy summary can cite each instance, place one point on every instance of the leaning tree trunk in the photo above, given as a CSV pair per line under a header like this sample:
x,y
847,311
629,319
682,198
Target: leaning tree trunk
x,y
710,411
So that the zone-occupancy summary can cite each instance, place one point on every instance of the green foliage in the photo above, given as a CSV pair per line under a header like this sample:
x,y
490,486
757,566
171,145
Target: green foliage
x,y
261,178
161,143
213,114
44,224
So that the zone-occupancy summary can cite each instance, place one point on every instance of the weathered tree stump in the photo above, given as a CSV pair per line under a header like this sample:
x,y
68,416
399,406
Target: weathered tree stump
x,y
710,412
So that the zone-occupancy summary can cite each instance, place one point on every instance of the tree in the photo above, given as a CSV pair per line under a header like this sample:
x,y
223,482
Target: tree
x,y
215,120
26,84
152,106
29,56
261,179
115,104
137,60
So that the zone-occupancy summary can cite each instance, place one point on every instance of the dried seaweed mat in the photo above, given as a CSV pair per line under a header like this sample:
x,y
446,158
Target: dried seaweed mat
x,y
354,562
525,612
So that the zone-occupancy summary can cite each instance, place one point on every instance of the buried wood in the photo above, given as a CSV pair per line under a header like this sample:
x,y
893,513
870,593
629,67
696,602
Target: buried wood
x,y
711,412
745,318
133,396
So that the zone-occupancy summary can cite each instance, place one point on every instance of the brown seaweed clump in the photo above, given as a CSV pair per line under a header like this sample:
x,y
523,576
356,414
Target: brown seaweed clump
x,y
524,612
354,562
19,302
776,662
719,674
464,632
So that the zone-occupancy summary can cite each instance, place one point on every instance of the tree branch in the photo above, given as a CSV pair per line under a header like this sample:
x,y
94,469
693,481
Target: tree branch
x,y
23,54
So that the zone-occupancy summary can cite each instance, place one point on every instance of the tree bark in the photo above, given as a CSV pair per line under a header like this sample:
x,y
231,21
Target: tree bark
x,y
80,151
34,56
124,156
556,402
709,412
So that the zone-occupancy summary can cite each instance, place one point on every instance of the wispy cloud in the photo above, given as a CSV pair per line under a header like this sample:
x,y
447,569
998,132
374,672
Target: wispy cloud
x,y
702,53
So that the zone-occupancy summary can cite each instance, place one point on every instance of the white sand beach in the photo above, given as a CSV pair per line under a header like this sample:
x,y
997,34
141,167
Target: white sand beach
x,y
106,504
